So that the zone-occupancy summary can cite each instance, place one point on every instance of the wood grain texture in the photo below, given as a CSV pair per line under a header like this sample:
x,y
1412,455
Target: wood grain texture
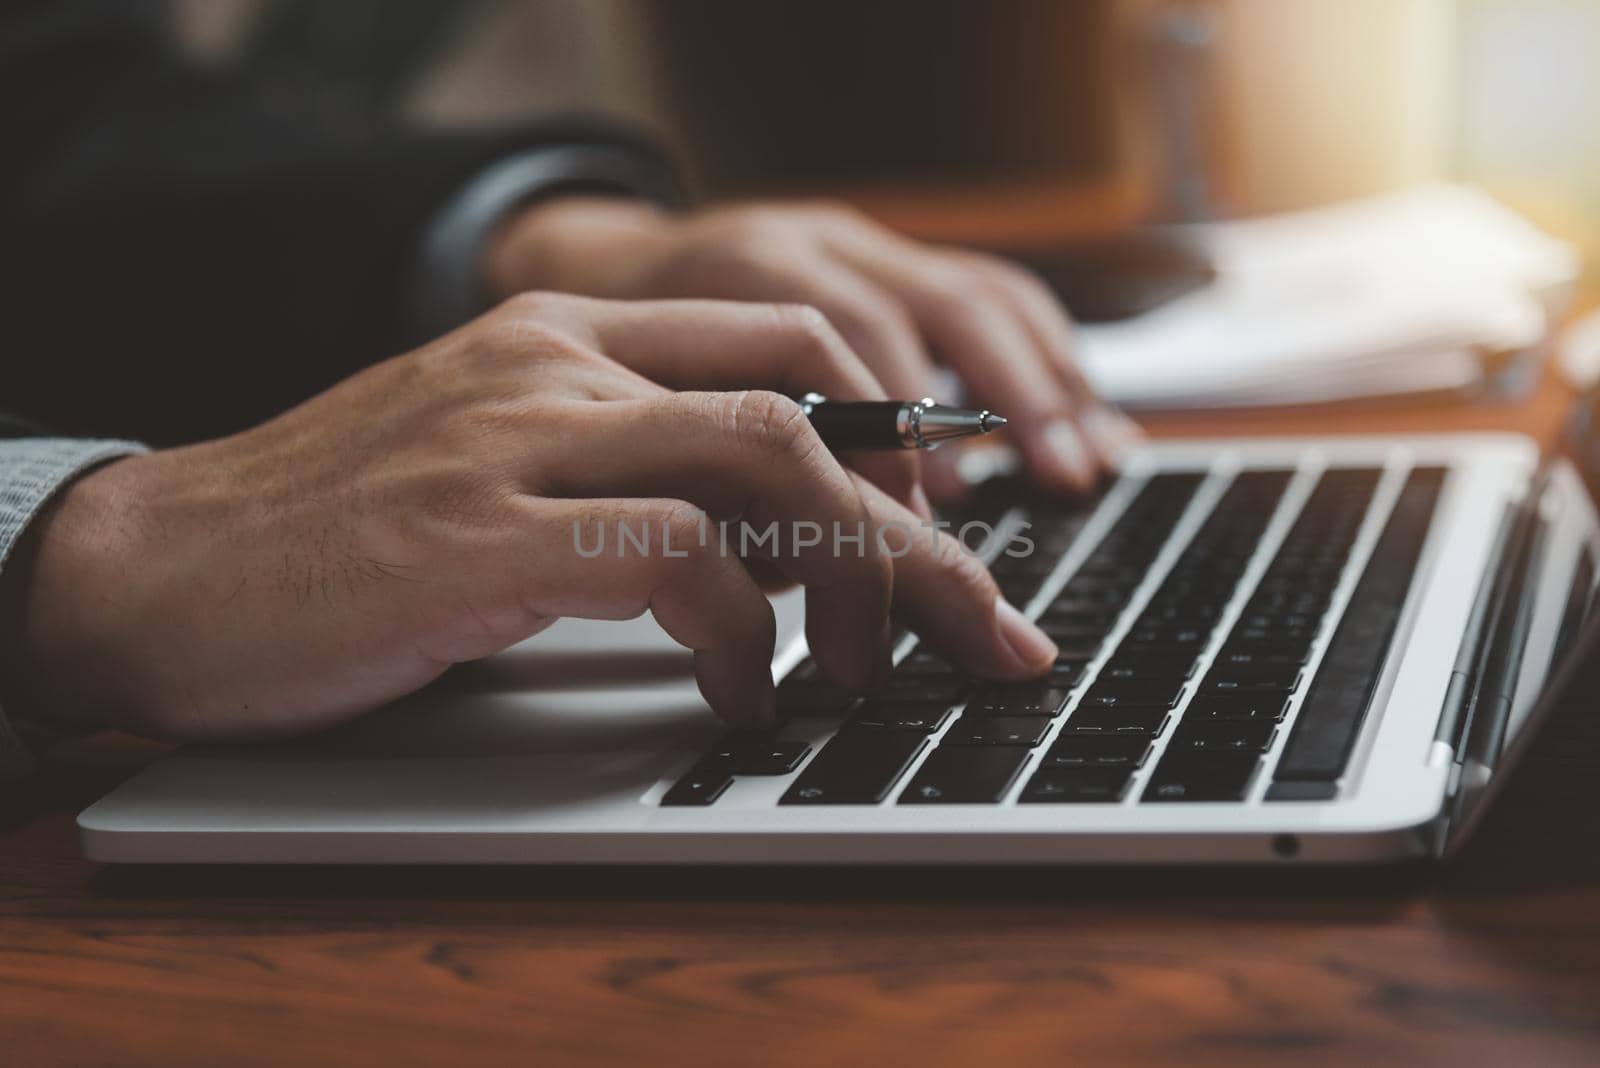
x,y
1494,960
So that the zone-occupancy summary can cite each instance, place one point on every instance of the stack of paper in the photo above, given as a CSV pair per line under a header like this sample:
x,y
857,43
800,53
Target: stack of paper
x,y
1425,290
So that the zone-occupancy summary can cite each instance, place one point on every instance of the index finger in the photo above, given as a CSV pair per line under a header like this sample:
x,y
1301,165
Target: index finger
x,y
731,345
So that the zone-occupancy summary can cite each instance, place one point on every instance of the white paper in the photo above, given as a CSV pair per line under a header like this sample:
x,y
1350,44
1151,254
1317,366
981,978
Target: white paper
x,y
1396,294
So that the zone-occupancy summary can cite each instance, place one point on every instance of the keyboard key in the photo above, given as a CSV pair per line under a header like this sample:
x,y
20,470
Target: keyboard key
x,y
1080,651
758,754
1201,775
1262,678
1018,699
812,699
997,730
907,719
1123,750
1324,733
1073,636
1274,636
1253,736
1302,791
1066,672
806,671
704,783
957,775
1071,608
1231,656
855,768
1122,666
1250,707
1146,722
941,689
1098,620
1116,693
1086,785
922,664
1176,638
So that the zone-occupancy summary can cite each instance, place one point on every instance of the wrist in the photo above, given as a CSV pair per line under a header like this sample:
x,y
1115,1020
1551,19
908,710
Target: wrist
x,y
582,245
70,577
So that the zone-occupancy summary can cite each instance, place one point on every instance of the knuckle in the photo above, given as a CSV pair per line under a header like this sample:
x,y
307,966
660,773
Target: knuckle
x,y
967,569
758,232
536,304
878,327
769,422
809,324
836,212
517,338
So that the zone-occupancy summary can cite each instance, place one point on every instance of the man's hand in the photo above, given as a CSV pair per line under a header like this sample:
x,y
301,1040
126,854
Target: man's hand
x,y
899,304
431,510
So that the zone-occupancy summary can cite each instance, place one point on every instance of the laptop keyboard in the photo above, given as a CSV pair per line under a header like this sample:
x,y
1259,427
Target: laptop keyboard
x,y
1126,692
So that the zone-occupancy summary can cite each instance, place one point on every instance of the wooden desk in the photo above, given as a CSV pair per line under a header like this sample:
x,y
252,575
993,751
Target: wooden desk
x,y
1495,960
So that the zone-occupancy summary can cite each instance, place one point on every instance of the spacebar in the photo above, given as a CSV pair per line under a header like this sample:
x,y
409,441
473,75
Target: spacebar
x,y
1325,730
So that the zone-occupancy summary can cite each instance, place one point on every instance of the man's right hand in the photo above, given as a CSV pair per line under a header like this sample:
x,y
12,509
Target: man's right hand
x,y
430,509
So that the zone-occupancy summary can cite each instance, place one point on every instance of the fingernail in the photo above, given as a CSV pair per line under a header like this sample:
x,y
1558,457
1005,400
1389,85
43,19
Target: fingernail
x,y
1029,646
1066,443
1114,432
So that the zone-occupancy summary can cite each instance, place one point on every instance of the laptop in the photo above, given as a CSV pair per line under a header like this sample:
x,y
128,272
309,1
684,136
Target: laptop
x,y
1292,651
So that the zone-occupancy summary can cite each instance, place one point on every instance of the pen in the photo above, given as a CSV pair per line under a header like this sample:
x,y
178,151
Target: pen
x,y
847,426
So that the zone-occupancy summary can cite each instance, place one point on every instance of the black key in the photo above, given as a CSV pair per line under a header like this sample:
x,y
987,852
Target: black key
x,y
1283,652
1253,736
1243,657
812,699
1123,750
1263,678
1018,699
805,671
855,768
1081,651
1148,667
997,730
1069,607
922,664
1201,775
1073,637
1097,592
1173,637
1096,619
758,754
1086,785
955,775
1019,589
1324,732
1302,791
1248,707
908,719
1066,672
940,689
1116,693
704,783
1146,722
1274,635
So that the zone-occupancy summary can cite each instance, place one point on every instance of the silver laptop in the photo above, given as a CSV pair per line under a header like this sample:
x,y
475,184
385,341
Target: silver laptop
x,y
1273,651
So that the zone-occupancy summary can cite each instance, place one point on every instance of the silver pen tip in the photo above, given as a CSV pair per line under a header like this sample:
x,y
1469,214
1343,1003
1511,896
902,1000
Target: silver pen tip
x,y
988,421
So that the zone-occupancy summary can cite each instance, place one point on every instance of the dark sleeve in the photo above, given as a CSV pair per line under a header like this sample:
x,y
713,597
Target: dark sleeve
x,y
182,259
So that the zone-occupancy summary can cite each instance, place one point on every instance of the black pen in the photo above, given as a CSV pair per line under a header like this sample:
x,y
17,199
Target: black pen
x,y
847,426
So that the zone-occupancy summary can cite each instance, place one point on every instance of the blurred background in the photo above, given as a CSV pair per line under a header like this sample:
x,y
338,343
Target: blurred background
x,y
1145,108
1394,197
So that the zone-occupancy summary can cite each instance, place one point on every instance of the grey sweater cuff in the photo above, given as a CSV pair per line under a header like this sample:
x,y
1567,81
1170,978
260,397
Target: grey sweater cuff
x,y
32,471
444,289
